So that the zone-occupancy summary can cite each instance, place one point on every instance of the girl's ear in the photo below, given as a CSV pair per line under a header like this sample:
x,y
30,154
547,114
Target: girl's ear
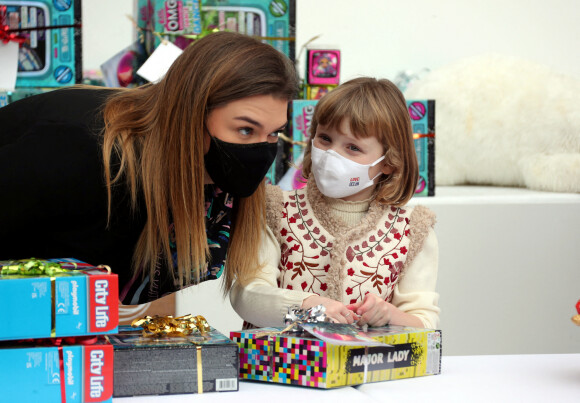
x,y
387,169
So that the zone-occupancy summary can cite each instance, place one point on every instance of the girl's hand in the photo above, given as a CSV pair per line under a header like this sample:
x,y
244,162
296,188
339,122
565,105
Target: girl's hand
x,y
334,309
373,310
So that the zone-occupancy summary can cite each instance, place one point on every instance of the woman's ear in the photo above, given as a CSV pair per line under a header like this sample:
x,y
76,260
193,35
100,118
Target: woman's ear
x,y
206,142
387,169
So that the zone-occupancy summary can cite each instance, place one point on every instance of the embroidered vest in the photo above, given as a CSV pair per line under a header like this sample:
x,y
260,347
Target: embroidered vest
x,y
323,256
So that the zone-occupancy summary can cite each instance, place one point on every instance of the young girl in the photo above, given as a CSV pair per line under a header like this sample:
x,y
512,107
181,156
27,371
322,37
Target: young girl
x,y
346,240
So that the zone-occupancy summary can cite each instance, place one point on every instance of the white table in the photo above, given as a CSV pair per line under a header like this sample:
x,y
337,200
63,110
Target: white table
x,y
552,378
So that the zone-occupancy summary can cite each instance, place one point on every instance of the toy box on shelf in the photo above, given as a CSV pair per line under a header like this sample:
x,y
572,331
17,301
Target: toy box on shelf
x,y
176,19
329,362
77,370
422,113
51,52
146,365
56,298
301,112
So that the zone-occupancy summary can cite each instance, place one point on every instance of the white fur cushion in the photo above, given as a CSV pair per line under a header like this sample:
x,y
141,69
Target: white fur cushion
x,y
505,122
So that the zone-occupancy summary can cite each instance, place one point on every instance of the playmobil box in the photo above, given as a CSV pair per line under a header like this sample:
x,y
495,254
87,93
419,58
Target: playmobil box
x,y
195,363
331,355
181,20
422,113
74,371
51,52
56,298
301,112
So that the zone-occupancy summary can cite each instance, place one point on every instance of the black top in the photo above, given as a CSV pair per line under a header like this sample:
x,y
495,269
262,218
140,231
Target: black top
x,y
53,199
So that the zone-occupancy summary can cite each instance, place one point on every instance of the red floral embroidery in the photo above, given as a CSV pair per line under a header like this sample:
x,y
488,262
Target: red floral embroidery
x,y
349,291
283,232
289,287
350,272
303,285
323,286
326,268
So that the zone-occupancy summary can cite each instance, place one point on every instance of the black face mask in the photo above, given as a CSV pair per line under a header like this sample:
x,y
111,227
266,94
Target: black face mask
x,y
239,168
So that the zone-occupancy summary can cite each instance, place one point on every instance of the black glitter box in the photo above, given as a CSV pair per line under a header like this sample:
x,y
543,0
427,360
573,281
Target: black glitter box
x,y
173,365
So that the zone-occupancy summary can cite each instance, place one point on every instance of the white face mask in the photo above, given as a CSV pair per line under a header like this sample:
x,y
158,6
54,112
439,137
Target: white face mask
x,y
337,176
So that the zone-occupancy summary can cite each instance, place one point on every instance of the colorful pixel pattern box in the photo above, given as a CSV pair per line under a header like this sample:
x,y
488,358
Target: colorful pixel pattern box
x,y
80,300
49,57
307,361
272,20
71,372
422,113
173,365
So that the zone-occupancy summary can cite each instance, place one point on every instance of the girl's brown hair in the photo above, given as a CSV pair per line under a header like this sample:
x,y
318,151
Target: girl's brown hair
x,y
373,108
157,133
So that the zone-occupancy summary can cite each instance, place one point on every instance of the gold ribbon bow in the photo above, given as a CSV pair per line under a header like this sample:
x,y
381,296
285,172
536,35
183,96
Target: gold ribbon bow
x,y
161,326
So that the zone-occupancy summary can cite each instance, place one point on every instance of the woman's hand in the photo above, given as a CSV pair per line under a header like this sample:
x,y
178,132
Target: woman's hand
x,y
334,309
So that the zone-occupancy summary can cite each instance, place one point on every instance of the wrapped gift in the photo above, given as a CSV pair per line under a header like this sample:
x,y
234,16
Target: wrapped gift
x,y
173,364
336,357
422,113
49,33
57,298
57,370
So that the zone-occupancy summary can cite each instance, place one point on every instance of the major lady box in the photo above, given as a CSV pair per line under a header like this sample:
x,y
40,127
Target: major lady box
x,y
267,355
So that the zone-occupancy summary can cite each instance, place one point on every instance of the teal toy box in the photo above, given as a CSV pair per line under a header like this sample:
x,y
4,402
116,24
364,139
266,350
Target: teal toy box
x,y
180,20
51,52
74,371
422,113
56,298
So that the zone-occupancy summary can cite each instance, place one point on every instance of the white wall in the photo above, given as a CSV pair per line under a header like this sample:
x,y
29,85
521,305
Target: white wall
x,y
383,37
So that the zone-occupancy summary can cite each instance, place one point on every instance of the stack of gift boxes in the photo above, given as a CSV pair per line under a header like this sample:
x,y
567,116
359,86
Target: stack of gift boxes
x,y
60,341
50,47
53,316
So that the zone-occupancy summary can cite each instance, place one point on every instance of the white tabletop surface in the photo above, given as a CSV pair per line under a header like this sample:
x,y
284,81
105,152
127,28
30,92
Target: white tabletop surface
x,y
549,378
552,378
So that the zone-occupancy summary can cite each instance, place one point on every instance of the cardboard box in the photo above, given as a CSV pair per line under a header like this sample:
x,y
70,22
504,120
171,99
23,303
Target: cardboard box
x,y
173,365
323,66
301,112
7,97
78,302
51,374
422,113
49,57
261,18
308,361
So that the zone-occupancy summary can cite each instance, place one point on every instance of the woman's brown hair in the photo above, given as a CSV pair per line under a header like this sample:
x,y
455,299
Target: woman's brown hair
x,y
157,133
373,108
